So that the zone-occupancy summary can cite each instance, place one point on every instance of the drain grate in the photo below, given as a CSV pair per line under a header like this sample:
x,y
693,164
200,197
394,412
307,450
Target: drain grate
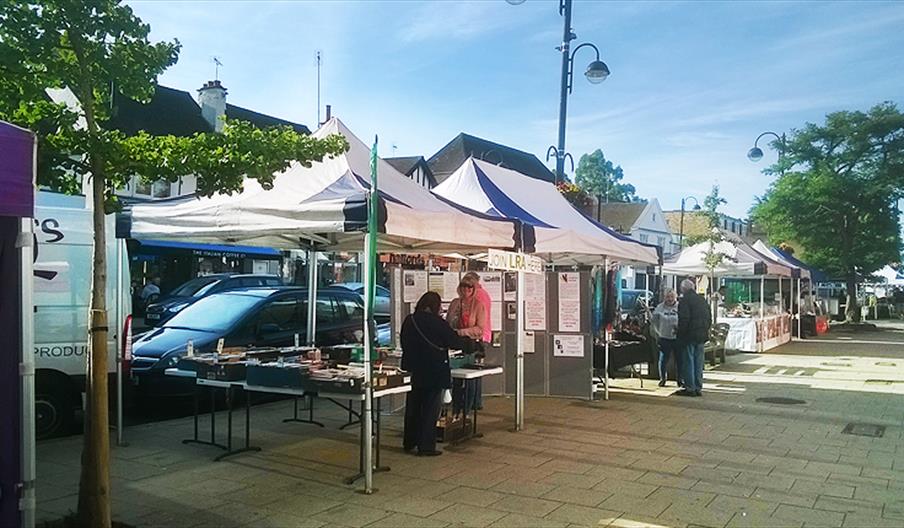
x,y
835,364
886,364
880,382
859,429
781,401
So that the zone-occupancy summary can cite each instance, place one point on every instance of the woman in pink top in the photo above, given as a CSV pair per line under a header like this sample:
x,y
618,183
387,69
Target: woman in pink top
x,y
470,315
484,299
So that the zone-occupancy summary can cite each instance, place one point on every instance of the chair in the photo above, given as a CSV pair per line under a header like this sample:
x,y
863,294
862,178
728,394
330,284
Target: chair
x,y
718,333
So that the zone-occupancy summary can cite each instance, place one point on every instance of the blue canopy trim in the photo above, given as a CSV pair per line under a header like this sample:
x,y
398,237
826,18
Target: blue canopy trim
x,y
815,274
502,203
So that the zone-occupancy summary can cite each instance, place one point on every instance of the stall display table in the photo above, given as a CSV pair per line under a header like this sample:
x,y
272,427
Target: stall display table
x,y
469,376
230,386
752,334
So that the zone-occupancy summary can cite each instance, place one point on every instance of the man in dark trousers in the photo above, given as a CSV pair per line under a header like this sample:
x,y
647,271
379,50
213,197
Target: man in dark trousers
x,y
694,321
426,339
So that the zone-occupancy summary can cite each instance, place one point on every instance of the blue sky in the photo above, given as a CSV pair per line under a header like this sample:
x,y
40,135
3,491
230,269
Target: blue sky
x,y
692,83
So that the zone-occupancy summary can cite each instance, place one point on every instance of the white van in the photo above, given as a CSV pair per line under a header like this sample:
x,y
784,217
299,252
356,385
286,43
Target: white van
x,y
62,294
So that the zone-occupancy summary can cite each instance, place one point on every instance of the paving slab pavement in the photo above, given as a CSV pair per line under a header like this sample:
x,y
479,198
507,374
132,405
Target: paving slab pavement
x,y
643,458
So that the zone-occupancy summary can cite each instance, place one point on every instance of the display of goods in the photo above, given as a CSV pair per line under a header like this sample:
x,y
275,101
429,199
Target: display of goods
x,y
228,371
287,375
204,361
459,360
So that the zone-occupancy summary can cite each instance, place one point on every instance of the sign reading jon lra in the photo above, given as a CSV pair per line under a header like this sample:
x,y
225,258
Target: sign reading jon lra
x,y
511,261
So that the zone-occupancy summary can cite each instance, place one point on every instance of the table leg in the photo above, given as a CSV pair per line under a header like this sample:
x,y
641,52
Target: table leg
x,y
248,447
310,419
213,422
351,421
363,445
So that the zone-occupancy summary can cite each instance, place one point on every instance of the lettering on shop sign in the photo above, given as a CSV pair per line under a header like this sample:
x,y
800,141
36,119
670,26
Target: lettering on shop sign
x,y
511,261
57,351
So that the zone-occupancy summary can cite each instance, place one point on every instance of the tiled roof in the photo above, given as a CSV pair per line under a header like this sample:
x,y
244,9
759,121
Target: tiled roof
x,y
621,216
457,151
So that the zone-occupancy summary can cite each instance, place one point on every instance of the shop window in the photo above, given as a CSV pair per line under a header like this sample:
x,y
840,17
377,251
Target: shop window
x,y
645,238
161,189
142,187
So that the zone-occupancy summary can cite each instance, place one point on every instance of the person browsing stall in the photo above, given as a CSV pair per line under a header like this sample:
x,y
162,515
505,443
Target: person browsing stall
x,y
694,321
426,339
665,326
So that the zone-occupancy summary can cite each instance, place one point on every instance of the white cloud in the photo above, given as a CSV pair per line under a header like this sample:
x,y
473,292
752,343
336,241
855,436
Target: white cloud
x,y
452,20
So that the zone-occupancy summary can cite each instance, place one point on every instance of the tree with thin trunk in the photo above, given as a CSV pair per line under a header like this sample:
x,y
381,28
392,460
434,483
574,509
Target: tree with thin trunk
x,y
838,196
97,48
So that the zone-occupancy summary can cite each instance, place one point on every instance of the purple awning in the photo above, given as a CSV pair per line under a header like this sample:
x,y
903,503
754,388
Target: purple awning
x,y
16,171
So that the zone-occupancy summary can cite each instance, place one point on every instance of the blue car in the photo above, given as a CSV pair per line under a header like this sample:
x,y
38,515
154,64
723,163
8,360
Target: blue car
x,y
166,307
251,317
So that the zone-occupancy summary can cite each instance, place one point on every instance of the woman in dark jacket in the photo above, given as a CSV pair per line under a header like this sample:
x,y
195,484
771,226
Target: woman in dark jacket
x,y
426,339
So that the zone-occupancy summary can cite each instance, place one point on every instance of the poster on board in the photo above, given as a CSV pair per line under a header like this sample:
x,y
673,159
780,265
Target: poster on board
x,y
435,283
530,346
568,345
496,316
415,285
535,287
569,302
510,286
450,285
534,315
492,283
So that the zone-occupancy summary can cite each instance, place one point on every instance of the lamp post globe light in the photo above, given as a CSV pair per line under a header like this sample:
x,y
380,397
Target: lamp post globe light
x,y
681,223
755,154
596,72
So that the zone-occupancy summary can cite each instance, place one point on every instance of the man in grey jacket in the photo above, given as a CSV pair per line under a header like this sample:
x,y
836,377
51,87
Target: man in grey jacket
x,y
694,321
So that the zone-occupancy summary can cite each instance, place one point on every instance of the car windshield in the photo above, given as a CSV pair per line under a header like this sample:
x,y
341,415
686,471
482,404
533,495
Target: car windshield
x,y
193,286
215,313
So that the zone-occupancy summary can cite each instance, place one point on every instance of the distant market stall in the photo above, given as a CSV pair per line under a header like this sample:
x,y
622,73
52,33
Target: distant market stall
x,y
757,322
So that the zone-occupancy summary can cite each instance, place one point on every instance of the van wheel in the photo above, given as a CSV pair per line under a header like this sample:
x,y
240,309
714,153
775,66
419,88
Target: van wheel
x,y
54,411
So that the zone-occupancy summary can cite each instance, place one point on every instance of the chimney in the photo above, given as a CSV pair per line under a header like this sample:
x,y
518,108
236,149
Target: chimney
x,y
329,112
212,98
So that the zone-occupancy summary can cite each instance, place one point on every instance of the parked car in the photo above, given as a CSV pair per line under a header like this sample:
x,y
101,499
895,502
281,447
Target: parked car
x,y
381,299
169,305
247,317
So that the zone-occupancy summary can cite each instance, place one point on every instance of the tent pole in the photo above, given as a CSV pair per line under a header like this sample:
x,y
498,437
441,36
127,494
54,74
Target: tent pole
x,y
800,313
762,313
519,388
606,329
119,341
27,371
312,298
367,441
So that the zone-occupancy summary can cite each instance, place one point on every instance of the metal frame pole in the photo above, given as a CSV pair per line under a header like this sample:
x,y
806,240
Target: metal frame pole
x,y
800,313
760,344
605,330
519,388
368,376
120,341
312,298
27,372
567,37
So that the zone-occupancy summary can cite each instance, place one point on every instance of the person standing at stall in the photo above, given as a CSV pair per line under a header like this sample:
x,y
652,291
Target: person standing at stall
x,y
665,327
470,317
484,299
694,320
426,339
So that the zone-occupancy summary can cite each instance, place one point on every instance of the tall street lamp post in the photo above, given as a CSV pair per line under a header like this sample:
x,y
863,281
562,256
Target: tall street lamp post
x,y
596,72
755,154
681,223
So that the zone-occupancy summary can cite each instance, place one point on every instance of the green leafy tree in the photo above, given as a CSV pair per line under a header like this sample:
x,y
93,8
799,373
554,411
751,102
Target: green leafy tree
x,y
89,46
712,257
839,193
599,177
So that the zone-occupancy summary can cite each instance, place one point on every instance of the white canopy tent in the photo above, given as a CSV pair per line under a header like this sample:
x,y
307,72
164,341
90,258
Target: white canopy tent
x,y
797,272
325,206
562,234
891,276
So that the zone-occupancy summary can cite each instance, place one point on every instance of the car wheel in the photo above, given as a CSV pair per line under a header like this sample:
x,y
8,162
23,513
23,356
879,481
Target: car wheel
x,y
54,411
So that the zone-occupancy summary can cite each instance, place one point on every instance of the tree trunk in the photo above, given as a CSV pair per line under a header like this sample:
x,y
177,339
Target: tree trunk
x,y
94,502
852,311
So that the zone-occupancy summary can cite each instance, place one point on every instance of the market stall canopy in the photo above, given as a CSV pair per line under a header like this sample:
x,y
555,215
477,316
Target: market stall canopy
x,y
797,271
891,276
326,204
17,156
563,234
740,261
815,274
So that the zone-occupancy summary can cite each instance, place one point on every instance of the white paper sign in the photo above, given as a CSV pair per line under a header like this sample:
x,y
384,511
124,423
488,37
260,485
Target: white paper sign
x,y
435,283
450,285
568,345
529,343
397,304
492,283
415,284
534,315
569,302
535,287
496,316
